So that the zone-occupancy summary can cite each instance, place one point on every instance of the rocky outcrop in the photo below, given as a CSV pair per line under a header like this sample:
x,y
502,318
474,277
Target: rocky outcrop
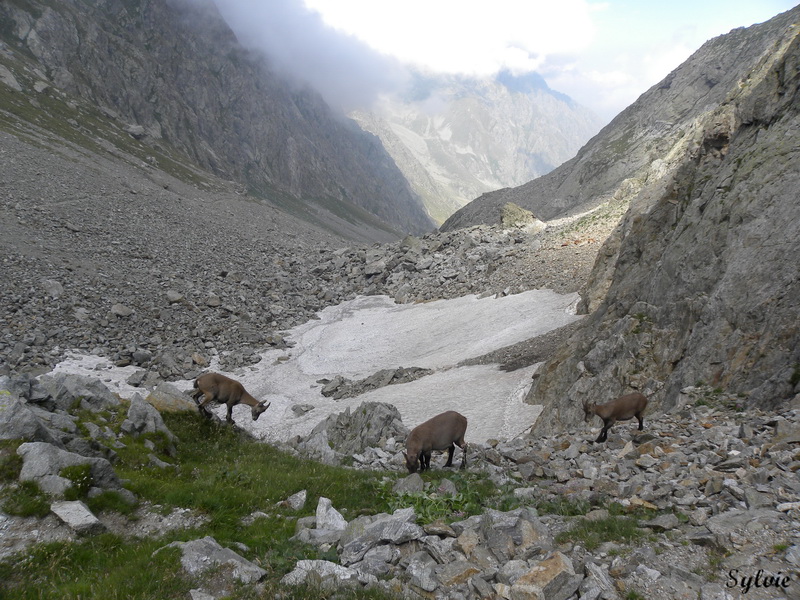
x,y
171,75
40,412
700,281
373,428
199,556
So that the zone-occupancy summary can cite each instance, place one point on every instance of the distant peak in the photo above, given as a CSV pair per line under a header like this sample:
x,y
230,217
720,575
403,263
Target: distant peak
x,y
525,83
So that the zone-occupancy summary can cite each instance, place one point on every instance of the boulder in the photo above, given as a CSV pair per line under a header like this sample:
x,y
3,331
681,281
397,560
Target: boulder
x,y
68,390
43,462
18,422
78,516
144,418
203,554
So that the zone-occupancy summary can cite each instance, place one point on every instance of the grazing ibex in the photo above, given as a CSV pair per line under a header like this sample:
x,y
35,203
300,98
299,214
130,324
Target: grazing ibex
x,y
442,432
218,388
623,408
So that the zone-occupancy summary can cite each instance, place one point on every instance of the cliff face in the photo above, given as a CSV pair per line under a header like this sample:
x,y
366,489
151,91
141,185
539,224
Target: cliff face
x,y
701,280
457,137
173,72
636,146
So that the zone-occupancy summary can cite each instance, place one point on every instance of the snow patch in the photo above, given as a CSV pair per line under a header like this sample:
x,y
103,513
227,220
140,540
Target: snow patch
x,y
359,337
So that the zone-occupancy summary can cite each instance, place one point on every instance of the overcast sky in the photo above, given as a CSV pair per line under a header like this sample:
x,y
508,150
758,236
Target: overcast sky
x,y
603,54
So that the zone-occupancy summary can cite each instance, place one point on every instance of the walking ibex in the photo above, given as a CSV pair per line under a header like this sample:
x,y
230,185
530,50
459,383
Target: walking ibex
x,y
623,408
218,388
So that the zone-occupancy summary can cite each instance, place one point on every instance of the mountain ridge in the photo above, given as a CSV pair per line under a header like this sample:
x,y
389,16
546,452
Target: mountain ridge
x,y
698,282
173,73
457,137
615,162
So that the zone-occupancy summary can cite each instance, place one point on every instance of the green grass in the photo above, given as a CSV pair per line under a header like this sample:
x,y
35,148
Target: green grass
x,y
564,507
621,526
592,534
474,495
25,499
224,475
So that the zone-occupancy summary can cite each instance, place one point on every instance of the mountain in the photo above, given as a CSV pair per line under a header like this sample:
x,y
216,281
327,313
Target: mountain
x,y
457,137
170,75
700,281
632,149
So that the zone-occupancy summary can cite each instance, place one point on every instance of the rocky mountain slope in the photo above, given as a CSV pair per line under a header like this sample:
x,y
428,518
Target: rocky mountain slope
x,y
699,282
457,137
104,254
172,74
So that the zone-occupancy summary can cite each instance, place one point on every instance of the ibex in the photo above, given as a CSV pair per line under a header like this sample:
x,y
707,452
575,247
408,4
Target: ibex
x,y
623,408
218,388
442,432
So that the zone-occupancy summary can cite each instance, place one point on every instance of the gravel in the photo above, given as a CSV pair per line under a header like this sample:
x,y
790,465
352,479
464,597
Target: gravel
x,y
111,256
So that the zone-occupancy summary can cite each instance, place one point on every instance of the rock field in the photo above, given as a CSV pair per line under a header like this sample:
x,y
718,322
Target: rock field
x,y
145,270
713,490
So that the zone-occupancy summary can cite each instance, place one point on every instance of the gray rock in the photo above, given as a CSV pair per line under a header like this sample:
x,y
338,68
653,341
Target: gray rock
x,y
396,529
422,569
550,579
352,432
663,523
296,501
78,517
144,418
198,556
319,571
18,422
67,391
166,397
409,485
328,517
42,463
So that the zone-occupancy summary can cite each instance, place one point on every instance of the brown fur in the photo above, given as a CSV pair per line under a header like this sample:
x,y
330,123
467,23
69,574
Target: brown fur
x,y
224,390
623,408
442,432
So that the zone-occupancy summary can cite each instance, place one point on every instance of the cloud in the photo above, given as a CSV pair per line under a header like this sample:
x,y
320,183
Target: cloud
x,y
464,36
346,71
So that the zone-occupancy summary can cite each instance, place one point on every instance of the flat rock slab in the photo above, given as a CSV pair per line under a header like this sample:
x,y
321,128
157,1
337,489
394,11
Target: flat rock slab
x,y
78,516
205,553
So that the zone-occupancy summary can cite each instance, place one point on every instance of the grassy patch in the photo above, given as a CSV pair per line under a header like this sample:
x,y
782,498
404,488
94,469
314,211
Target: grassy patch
x,y
219,472
564,507
25,499
473,496
592,534
10,461
110,501
81,478
105,566
225,475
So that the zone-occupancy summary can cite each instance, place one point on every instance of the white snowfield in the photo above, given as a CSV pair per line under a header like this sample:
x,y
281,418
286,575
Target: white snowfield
x,y
360,337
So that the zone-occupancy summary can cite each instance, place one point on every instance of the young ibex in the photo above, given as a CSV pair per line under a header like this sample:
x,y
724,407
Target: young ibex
x,y
442,432
218,388
623,408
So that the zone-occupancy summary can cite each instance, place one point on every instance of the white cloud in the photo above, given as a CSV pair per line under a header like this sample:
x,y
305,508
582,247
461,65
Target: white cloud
x,y
464,36
602,54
